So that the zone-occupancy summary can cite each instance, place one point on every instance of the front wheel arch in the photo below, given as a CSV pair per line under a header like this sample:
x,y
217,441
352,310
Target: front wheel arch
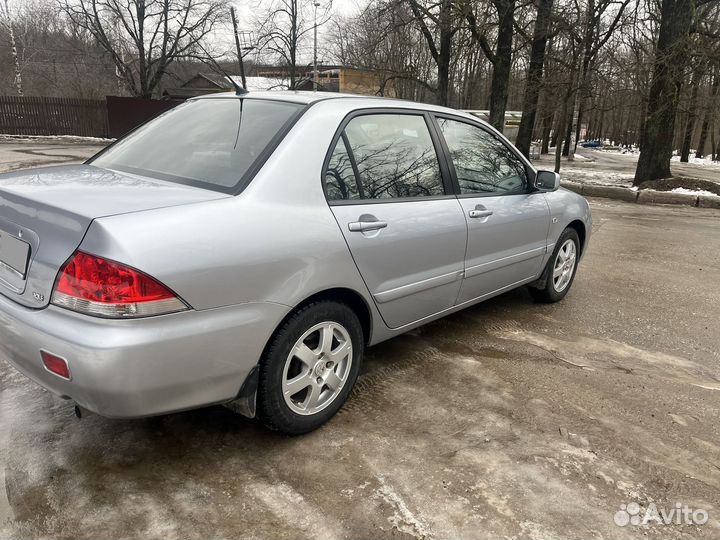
x,y
579,227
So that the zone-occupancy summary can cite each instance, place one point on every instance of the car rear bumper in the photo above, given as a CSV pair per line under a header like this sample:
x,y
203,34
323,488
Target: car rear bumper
x,y
142,367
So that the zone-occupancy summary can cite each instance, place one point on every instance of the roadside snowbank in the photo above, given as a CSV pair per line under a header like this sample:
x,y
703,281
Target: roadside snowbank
x,y
702,162
67,139
698,192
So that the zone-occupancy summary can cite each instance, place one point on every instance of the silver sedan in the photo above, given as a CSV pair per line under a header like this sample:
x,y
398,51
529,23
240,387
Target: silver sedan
x,y
245,249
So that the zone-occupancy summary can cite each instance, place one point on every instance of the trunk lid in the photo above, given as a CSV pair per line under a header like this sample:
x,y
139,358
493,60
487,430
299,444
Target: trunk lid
x,y
44,214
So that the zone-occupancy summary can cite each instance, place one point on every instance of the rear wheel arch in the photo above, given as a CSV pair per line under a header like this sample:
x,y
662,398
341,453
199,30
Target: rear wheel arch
x,y
349,297
282,368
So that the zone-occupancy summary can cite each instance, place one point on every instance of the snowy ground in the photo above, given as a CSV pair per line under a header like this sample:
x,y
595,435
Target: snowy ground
x,y
507,420
701,162
59,139
510,419
617,168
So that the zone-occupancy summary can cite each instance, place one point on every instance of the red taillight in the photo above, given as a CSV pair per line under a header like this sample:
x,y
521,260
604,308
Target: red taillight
x,y
105,288
56,365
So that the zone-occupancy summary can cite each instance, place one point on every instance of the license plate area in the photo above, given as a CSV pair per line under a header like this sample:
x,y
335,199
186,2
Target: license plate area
x,y
14,255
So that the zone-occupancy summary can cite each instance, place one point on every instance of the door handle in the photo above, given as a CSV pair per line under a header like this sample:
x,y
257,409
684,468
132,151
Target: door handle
x,y
365,226
480,213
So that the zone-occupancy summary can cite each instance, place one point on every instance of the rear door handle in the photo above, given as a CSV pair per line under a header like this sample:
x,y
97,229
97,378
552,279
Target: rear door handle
x,y
364,226
480,213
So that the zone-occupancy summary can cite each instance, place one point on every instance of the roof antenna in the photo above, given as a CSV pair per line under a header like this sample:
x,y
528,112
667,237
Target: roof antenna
x,y
239,90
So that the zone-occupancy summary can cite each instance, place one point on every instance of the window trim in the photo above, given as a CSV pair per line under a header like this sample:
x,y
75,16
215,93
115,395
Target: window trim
x,y
529,169
252,171
445,174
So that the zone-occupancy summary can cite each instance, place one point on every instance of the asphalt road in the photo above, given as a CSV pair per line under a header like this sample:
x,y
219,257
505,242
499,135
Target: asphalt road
x,y
509,419
21,154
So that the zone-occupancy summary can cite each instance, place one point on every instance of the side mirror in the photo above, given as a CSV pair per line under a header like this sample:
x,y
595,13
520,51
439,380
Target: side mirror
x,y
547,181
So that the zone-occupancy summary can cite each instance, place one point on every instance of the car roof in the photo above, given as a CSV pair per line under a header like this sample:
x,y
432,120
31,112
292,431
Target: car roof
x,y
309,97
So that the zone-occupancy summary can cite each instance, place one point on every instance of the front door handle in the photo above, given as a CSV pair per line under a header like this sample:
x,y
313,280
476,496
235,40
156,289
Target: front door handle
x,y
365,226
480,212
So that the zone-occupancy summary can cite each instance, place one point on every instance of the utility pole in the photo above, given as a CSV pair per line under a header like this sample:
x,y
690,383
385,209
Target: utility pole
x,y
315,71
238,48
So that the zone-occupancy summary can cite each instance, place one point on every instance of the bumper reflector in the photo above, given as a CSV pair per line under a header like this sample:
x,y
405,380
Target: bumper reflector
x,y
55,364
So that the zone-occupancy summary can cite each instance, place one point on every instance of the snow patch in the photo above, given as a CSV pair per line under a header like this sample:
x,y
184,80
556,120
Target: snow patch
x,y
403,520
56,138
699,192
702,162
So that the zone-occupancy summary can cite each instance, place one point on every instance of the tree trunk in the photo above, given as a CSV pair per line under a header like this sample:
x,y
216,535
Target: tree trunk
x,y
534,78
569,129
502,64
691,117
546,129
14,51
670,59
560,131
445,53
557,128
579,121
709,112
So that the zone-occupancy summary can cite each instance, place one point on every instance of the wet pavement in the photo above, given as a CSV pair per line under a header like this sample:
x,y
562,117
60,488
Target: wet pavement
x,y
508,419
16,153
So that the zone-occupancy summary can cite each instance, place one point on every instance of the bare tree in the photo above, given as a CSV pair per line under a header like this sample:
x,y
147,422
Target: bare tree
x,y
436,22
676,18
597,29
283,29
8,24
500,58
535,75
144,37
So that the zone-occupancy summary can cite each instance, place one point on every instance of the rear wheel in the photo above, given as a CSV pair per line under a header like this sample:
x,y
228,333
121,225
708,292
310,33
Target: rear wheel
x,y
310,367
560,270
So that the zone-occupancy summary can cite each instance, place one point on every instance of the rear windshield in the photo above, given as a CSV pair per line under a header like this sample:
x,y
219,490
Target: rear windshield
x,y
213,143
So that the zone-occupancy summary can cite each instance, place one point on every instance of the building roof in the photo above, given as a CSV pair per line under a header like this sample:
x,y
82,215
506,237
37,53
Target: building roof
x,y
215,80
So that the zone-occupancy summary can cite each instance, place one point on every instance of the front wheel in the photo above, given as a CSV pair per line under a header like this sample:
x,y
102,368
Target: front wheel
x,y
310,367
560,271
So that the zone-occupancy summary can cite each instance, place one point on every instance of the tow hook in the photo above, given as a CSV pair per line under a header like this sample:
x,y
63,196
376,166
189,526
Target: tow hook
x,y
80,412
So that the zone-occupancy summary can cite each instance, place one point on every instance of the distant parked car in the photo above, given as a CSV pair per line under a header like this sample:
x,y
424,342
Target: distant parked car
x,y
592,144
246,249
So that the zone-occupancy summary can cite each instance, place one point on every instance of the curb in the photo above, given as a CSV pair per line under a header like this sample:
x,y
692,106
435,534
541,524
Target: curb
x,y
645,196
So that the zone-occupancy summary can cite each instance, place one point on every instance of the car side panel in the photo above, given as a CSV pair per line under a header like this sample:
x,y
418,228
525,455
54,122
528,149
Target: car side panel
x,y
506,247
276,242
566,207
413,267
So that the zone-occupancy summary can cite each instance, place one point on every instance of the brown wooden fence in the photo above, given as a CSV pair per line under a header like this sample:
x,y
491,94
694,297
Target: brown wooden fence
x,y
24,115
126,113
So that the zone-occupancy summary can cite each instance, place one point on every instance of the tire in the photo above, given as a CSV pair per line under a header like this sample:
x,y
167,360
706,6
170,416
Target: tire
x,y
298,361
554,288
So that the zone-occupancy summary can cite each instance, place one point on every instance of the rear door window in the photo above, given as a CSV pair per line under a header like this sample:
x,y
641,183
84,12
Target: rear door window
x,y
388,155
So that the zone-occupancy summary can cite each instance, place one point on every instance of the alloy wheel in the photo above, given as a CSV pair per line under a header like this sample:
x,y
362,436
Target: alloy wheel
x,y
317,368
564,265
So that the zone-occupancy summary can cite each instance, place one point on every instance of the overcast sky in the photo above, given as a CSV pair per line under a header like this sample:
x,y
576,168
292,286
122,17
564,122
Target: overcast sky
x,y
246,8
